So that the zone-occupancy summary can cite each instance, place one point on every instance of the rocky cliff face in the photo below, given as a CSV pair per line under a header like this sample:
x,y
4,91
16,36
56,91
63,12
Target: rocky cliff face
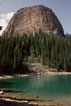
x,y
32,19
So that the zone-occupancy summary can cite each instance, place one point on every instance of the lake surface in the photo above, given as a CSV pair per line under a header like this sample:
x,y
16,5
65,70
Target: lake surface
x,y
57,87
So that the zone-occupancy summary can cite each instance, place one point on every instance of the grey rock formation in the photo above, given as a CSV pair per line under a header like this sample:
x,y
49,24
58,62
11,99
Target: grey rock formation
x,y
32,19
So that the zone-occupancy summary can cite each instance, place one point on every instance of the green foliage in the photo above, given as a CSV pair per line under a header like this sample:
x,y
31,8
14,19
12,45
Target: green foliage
x,y
52,51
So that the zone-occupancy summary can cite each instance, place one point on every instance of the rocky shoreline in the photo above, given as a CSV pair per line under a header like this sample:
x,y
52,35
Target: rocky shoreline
x,y
36,69
40,69
38,74
13,76
9,99
13,101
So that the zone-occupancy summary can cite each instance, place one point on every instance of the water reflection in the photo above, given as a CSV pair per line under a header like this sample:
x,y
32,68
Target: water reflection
x,y
5,84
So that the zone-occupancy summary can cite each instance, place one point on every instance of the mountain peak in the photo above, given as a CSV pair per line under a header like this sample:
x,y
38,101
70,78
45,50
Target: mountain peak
x,y
32,19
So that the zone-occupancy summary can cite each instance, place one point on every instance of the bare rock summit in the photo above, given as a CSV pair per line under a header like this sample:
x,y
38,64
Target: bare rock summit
x,y
32,19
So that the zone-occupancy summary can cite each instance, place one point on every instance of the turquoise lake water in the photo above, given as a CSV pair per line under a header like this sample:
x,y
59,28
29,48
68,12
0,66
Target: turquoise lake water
x,y
57,87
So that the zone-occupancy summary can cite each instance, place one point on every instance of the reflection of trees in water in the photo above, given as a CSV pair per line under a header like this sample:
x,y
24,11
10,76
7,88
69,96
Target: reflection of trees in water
x,y
5,84
7,87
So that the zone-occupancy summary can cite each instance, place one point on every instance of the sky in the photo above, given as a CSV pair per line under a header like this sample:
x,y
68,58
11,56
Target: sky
x,y
62,9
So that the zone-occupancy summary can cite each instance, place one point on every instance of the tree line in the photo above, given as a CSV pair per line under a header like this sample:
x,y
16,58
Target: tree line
x,y
50,50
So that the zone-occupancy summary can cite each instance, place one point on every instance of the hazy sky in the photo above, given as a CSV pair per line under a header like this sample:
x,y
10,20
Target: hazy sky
x,y
62,8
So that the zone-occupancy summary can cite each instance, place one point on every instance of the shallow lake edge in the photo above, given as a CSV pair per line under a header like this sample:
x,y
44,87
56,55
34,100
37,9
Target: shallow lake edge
x,y
26,75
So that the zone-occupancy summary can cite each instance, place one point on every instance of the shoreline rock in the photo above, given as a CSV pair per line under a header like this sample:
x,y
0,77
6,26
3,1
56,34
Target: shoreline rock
x,y
9,101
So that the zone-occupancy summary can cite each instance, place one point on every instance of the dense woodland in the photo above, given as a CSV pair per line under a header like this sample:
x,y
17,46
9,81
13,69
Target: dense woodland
x,y
52,51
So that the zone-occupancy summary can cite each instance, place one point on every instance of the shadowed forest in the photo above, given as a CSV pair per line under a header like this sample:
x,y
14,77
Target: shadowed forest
x,y
52,51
